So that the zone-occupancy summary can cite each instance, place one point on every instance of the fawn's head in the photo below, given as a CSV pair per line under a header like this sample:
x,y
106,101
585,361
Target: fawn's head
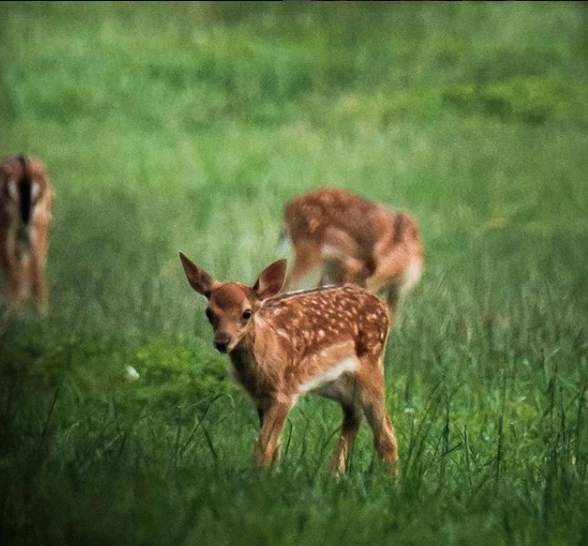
x,y
231,305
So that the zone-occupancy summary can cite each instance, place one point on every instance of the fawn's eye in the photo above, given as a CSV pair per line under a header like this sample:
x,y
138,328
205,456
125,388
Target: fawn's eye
x,y
246,314
209,316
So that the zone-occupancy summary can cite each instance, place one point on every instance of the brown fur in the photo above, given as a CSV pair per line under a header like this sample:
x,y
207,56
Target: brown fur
x,y
25,210
330,341
339,237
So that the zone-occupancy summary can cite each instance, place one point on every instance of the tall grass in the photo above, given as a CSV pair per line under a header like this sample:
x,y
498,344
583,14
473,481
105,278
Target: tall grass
x,y
187,126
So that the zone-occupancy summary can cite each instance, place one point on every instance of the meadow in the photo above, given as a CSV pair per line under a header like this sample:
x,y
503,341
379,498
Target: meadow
x,y
187,126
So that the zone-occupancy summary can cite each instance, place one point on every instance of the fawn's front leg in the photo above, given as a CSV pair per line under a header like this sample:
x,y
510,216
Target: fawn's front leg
x,y
273,418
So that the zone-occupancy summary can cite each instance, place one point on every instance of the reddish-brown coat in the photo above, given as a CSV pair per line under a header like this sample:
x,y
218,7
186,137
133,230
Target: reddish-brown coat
x,y
330,341
339,237
24,230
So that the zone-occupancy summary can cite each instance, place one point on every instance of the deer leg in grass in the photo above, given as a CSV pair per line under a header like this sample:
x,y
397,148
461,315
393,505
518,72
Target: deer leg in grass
x,y
392,297
374,407
19,285
342,269
351,421
307,269
39,288
13,283
266,450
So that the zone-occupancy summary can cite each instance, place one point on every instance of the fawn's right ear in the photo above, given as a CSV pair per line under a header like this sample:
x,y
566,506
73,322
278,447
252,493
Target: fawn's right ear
x,y
199,279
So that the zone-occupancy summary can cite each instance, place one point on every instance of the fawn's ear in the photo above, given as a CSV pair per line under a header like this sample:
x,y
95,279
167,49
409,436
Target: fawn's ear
x,y
199,279
270,280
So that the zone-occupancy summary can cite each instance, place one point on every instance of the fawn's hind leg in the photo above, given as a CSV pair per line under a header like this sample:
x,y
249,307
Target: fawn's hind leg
x,y
351,421
373,403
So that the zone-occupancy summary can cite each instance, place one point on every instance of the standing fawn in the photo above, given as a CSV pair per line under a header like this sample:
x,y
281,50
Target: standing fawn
x,y
340,237
25,211
329,341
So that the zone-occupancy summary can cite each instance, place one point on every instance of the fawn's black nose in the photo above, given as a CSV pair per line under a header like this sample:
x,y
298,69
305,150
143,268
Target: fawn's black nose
x,y
222,342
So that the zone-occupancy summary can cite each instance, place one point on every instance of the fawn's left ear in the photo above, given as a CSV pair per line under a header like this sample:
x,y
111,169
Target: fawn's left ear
x,y
270,280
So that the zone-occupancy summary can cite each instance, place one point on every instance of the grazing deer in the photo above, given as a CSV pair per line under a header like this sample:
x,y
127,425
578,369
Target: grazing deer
x,y
339,237
25,210
329,341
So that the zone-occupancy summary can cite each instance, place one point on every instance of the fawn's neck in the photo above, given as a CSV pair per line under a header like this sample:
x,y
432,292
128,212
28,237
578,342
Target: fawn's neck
x,y
242,356
257,380
245,365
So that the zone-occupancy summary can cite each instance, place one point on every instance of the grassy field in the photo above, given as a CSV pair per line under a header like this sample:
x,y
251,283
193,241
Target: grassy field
x,y
187,126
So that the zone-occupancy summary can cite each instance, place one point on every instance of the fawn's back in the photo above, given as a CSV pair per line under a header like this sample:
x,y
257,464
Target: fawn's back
x,y
313,320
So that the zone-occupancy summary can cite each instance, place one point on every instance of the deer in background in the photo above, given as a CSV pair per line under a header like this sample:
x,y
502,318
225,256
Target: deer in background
x,y
329,341
25,211
339,237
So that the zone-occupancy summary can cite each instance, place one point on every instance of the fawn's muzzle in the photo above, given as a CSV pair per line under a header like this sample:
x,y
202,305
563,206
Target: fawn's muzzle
x,y
222,342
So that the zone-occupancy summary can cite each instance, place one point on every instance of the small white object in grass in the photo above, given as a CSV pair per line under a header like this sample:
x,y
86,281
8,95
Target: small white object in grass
x,y
409,411
132,374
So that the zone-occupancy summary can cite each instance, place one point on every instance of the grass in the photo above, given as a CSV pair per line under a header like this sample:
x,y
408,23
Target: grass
x,y
187,126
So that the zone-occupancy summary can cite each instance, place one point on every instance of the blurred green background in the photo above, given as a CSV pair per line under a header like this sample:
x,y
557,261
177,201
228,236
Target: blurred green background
x,y
187,126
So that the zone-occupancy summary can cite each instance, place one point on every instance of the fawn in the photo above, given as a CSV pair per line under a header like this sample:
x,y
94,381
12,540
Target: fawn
x,y
329,341
340,237
25,210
